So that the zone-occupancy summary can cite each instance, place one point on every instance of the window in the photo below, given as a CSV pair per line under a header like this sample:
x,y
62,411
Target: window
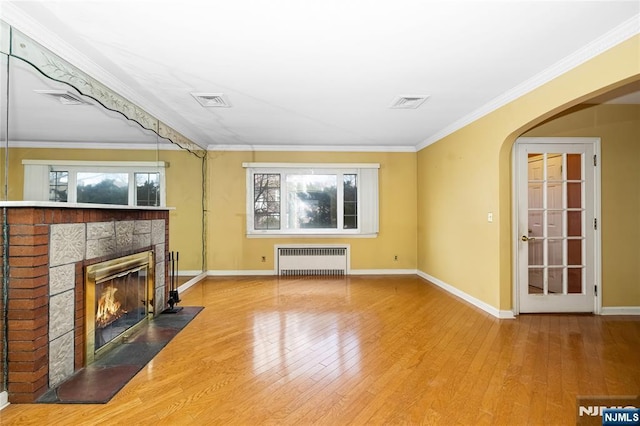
x,y
120,183
312,199
58,186
266,196
147,189
102,188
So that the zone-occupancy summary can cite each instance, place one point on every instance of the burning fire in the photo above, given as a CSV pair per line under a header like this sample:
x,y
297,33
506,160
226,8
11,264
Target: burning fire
x,y
108,307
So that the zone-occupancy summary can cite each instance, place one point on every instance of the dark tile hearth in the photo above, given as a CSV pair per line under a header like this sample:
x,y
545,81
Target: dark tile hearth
x,y
100,381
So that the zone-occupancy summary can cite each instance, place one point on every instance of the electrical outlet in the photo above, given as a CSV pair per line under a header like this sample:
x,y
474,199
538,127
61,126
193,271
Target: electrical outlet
x,y
395,257
489,217
264,258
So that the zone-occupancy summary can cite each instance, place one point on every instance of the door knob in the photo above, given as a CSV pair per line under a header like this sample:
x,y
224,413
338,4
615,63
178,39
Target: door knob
x,y
525,238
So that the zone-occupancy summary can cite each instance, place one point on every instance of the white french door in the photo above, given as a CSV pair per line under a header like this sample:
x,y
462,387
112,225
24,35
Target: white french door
x,y
556,224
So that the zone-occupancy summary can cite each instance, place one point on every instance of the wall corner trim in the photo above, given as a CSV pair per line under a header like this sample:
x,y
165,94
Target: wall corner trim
x,y
500,314
4,400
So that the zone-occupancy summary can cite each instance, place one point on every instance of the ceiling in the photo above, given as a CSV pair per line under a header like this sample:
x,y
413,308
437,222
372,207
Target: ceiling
x,y
302,74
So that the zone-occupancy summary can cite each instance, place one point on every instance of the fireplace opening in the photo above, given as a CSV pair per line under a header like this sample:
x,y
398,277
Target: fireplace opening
x,y
118,300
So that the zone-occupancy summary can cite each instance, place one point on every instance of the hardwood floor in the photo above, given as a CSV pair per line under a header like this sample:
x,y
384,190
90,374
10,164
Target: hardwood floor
x,y
363,350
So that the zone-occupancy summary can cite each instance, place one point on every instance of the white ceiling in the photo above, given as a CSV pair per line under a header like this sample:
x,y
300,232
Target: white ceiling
x,y
321,74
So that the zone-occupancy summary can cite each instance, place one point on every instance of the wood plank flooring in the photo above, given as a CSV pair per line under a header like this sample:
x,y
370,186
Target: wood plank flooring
x,y
363,350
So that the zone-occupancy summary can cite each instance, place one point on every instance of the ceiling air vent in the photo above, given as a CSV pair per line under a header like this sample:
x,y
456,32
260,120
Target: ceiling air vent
x,y
64,97
212,100
408,102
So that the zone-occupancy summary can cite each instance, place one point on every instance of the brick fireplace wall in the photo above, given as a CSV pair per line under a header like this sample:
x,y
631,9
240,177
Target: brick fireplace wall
x,y
47,252
3,394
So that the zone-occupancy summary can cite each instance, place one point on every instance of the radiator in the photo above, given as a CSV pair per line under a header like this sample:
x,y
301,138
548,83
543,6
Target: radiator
x,y
312,260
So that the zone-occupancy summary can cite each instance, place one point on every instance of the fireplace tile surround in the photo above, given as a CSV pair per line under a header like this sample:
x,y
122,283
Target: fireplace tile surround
x,y
48,248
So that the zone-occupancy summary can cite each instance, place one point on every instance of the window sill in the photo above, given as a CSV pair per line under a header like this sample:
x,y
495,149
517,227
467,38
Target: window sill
x,y
276,236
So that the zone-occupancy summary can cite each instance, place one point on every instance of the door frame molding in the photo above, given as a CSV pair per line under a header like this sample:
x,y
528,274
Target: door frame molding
x,y
595,141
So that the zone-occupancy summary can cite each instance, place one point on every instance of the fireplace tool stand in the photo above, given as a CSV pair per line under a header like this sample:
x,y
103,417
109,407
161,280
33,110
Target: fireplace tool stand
x,y
174,298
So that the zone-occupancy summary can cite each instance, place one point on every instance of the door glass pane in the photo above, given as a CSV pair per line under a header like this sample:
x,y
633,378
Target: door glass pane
x,y
535,223
574,224
574,166
535,280
555,280
554,167
574,195
554,224
535,253
574,278
555,252
535,195
574,252
554,196
535,167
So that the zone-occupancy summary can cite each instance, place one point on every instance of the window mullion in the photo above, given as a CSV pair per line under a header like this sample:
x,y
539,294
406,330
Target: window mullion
x,y
359,203
284,202
72,194
340,200
131,197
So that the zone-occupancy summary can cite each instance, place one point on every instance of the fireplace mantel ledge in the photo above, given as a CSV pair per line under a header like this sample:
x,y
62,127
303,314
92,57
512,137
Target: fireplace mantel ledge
x,y
51,204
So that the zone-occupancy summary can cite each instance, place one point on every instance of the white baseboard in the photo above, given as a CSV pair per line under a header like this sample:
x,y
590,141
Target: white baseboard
x,y
620,310
383,272
4,400
191,282
234,273
502,314
258,272
189,273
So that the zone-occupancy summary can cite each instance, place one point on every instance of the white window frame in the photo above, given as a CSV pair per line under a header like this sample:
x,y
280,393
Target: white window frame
x,y
367,181
36,176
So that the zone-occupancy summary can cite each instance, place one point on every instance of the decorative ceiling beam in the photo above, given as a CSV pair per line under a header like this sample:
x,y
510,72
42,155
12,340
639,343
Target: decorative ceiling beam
x,y
54,67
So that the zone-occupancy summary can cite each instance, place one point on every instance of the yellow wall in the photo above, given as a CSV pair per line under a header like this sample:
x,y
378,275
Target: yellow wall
x,y
467,174
618,126
230,250
185,192
433,204
184,189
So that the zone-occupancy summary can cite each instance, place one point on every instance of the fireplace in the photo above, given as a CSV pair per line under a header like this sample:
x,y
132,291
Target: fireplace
x,y
47,249
118,299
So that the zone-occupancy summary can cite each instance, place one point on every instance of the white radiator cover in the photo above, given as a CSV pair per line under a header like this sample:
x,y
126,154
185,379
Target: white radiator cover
x,y
311,259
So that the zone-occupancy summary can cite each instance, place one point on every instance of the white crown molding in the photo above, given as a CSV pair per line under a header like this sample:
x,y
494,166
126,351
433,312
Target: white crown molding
x,y
311,148
501,314
94,145
622,32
